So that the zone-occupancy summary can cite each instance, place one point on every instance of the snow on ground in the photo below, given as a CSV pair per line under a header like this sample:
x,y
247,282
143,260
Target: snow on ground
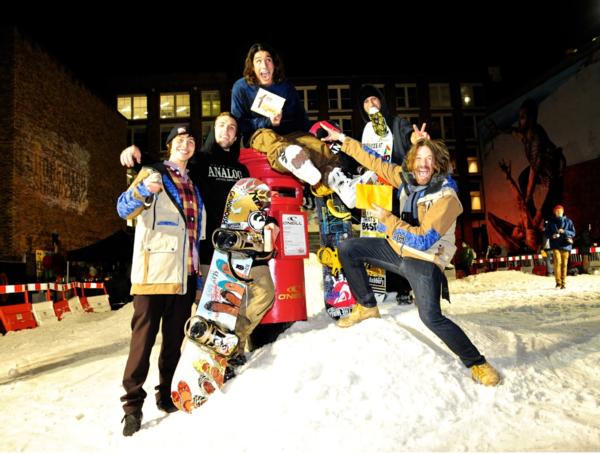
x,y
384,385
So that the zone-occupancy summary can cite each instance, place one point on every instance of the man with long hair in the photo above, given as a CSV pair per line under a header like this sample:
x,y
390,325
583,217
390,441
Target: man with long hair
x,y
420,243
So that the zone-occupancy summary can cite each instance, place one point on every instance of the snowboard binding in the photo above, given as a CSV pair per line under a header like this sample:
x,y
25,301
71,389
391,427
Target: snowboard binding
x,y
228,240
207,333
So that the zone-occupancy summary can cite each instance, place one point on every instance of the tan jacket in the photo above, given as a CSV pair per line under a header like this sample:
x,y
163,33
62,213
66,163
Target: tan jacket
x,y
433,240
160,248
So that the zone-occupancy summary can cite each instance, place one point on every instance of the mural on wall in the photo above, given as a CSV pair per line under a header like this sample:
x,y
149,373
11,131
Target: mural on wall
x,y
58,171
527,147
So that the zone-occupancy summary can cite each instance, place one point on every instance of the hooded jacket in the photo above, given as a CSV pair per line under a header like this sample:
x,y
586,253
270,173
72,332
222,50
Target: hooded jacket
x,y
400,127
430,236
215,171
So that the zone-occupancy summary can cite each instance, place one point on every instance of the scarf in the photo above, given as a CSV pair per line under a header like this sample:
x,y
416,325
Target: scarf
x,y
379,125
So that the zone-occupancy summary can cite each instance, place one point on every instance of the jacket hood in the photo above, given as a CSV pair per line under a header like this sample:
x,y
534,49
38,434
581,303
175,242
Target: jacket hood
x,y
211,147
371,90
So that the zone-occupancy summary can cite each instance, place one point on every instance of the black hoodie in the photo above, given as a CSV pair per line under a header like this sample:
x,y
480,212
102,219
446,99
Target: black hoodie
x,y
215,171
401,128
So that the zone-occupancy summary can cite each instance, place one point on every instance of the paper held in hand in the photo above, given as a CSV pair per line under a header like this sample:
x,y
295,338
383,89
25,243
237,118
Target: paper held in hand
x,y
267,103
379,194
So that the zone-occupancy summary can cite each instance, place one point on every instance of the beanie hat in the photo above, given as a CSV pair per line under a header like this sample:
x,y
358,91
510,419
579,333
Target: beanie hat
x,y
177,131
367,91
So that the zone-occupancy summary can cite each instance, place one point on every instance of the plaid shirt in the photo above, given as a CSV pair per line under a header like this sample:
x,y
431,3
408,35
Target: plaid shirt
x,y
185,188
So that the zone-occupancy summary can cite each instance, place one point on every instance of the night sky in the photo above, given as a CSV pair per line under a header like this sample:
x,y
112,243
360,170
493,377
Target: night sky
x,y
523,38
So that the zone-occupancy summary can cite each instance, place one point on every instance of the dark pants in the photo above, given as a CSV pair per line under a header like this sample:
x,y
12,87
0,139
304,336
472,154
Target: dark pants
x,y
425,279
174,310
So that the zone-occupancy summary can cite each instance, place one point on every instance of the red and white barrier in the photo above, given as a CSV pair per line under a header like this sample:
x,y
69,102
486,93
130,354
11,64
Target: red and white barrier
x,y
98,303
16,316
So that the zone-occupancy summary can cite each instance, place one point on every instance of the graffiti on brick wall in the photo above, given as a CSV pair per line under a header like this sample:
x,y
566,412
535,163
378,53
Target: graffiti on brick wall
x,y
58,171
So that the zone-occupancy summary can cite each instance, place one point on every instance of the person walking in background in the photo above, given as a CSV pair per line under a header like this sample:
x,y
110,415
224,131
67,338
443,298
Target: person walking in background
x,y
561,231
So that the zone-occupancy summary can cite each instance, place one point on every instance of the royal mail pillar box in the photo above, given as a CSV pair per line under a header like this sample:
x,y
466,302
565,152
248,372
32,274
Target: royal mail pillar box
x,y
292,246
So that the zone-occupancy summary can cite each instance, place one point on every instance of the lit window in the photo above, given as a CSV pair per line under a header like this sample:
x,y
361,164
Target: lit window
x,y
211,103
133,107
473,165
174,105
476,202
471,95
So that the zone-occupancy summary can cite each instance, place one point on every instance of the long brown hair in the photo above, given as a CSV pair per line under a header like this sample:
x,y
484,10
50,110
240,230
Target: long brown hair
x,y
441,156
250,76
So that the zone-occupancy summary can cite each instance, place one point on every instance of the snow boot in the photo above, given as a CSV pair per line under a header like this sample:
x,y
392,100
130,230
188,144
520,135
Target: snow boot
x,y
485,374
357,315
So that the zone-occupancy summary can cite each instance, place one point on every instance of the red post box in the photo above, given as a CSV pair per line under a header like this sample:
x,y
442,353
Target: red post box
x,y
287,269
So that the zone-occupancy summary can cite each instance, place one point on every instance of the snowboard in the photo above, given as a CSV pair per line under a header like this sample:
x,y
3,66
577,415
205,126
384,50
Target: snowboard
x,y
210,337
335,225
382,147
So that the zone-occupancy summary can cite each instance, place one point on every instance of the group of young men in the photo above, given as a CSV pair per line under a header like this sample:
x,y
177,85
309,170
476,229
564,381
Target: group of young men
x,y
179,201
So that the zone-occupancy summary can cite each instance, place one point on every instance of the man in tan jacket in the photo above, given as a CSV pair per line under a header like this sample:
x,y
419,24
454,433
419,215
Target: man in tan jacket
x,y
419,242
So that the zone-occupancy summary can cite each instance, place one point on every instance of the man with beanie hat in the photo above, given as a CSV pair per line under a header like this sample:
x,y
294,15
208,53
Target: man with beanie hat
x,y
390,137
560,230
164,270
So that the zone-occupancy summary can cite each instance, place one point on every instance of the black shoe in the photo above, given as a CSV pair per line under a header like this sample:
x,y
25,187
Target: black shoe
x,y
167,406
404,299
229,374
562,287
238,359
133,422
557,286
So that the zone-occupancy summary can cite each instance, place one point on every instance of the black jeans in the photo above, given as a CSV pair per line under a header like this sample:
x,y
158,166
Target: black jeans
x,y
425,279
149,310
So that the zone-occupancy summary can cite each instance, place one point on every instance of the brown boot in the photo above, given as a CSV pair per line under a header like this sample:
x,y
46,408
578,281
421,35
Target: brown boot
x,y
358,314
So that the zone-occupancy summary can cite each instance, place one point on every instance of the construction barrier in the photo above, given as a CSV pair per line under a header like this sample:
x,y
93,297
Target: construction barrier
x,y
37,306
98,303
16,316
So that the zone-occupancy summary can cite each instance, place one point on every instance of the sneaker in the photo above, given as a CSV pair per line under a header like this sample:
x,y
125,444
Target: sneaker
x,y
167,406
357,315
133,422
237,359
343,187
485,374
296,160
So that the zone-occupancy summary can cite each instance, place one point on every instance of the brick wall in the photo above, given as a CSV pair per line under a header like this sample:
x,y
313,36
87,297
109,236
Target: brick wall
x,y
65,147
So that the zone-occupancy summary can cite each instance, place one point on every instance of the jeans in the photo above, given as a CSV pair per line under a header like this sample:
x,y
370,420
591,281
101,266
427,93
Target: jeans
x,y
425,279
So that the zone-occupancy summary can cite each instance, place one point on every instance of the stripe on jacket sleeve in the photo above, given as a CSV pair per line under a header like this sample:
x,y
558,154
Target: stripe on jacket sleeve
x,y
419,242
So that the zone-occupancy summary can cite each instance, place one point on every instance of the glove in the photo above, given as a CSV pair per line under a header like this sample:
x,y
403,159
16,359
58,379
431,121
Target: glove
x,y
153,182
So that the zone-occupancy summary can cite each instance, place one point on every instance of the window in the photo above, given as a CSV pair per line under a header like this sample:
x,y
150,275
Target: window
x,y
452,153
308,96
136,135
345,123
133,107
174,105
476,202
211,103
339,97
442,126
206,127
412,118
439,95
472,164
471,126
406,96
471,95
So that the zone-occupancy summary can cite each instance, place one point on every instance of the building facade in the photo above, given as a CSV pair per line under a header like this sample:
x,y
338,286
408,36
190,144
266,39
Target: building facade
x,y
60,144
